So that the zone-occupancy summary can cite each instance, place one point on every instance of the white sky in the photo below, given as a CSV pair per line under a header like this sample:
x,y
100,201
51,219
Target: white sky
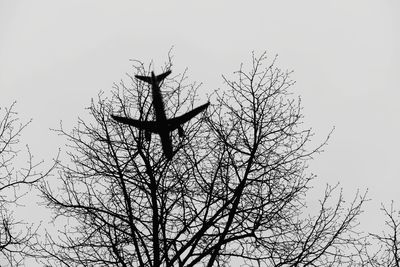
x,y
56,55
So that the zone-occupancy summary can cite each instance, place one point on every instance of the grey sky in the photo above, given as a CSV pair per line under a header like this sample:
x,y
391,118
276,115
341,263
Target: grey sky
x,y
55,56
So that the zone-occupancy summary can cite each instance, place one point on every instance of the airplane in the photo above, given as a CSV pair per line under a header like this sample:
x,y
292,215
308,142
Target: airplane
x,y
161,126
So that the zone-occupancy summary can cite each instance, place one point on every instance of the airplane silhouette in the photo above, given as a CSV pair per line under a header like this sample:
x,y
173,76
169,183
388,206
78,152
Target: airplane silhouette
x,y
162,126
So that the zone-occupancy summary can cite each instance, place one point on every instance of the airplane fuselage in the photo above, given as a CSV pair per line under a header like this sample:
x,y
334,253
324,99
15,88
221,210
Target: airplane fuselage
x,y
161,118
158,103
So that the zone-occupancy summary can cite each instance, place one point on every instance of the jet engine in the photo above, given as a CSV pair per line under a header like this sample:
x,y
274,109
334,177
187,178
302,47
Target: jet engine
x,y
181,133
147,135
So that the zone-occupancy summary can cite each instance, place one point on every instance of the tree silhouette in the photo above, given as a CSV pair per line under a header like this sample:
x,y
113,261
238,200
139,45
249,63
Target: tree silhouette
x,y
14,183
387,243
234,190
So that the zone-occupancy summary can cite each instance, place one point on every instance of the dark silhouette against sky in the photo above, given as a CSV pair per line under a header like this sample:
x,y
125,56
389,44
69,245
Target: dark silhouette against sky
x,y
161,125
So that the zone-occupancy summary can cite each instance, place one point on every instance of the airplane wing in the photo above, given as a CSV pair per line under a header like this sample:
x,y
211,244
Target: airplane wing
x,y
150,126
177,121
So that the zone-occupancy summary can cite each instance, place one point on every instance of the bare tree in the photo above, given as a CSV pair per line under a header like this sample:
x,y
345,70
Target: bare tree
x,y
387,244
14,183
234,189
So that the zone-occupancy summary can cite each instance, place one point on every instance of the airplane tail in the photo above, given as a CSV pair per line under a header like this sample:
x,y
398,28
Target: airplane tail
x,y
157,79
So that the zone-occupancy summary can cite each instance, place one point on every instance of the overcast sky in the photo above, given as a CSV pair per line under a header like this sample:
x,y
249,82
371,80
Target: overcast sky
x,y
56,55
